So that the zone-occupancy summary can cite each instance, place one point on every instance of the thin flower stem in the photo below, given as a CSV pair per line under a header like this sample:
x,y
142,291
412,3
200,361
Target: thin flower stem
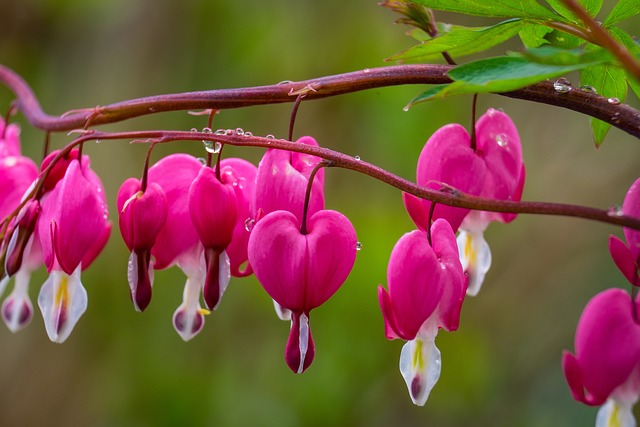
x,y
621,116
429,222
294,113
604,39
472,131
307,195
337,159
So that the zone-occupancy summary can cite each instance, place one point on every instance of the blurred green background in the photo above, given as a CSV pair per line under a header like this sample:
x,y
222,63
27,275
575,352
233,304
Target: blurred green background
x,y
122,368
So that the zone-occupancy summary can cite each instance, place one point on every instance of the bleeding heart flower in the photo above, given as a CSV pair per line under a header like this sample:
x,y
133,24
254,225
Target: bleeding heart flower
x,y
606,365
214,211
301,271
73,229
141,215
493,169
426,291
627,257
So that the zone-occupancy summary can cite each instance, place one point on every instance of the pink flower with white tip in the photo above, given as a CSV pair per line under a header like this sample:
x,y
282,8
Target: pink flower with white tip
x,y
493,169
627,257
281,184
301,267
606,367
73,229
426,290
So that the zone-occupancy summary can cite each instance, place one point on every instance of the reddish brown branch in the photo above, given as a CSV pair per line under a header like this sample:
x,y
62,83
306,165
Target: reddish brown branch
x,y
338,159
621,116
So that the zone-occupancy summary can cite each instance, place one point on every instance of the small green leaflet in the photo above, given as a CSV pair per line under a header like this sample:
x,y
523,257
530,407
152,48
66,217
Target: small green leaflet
x,y
460,41
608,80
623,10
532,35
552,55
495,8
591,6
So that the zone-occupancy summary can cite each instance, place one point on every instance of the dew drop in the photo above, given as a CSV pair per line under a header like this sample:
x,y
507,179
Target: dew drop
x,y
229,132
98,141
358,246
212,147
615,118
249,223
285,82
406,108
194,130
366,70
105,214
220,132
270,137
202,160
615,210
589,89
357,158
502,139
562,85
248,134
613,101
239,131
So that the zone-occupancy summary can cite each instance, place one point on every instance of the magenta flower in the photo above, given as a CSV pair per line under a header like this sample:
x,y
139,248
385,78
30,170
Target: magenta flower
x,y
9,139
606,365
627,257
214,211
281,184
301,271
426,291
73,229
178,243
492,169
241,174
282,181
141,215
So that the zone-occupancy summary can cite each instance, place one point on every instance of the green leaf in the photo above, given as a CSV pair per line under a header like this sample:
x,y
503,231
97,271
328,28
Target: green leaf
x,y
623,10
494,8
461,41
633,83
592,7
501,74
609,81
552,55
533,35
564,40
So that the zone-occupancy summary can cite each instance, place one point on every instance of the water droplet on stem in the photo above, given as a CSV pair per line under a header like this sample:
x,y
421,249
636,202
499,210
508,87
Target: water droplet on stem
x,y
562,85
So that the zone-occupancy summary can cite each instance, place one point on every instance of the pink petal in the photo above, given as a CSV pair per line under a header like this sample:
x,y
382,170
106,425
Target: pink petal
x,y
141,215
213,209
300,349
174,174
607,344
624,260
10,144
16,175
447,158
241,174
77,216
282,178
302,271
415,282
631,206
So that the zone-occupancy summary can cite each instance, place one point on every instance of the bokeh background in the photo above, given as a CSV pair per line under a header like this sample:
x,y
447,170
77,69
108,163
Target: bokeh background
x,y
122,368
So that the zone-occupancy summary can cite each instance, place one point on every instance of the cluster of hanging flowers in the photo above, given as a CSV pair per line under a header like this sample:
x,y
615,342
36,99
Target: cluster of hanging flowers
x,y
233,219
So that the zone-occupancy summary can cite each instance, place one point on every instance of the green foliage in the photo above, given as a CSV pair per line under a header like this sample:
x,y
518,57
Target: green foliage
x,y
495,8
591,6
557,43
461,41
507,73
623,10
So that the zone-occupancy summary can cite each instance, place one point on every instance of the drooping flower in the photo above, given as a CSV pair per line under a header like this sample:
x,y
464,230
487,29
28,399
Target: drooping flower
x,y
178,243
141,215
606,366
493,168
627,257
281,184
73,229
241,174
426,290
9,139
213,210
302,271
